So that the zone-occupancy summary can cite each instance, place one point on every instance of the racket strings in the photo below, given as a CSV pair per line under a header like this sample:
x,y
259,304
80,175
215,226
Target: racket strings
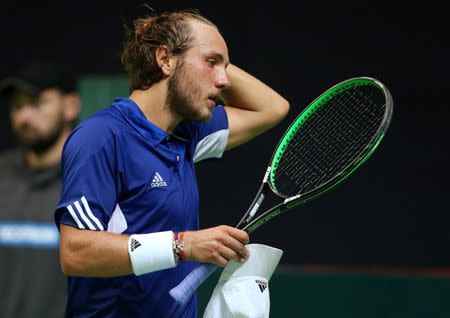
x,y
330,140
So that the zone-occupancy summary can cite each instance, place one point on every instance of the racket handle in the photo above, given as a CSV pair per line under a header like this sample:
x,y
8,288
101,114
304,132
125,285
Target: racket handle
x,y
184,290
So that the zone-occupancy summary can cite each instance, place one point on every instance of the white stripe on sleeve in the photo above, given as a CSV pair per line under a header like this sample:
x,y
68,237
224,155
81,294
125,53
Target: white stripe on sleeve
x,y
91,215
212,146
83,216
75,217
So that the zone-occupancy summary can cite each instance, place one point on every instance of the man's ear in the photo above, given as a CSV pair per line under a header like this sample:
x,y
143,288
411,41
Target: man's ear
x,y
72,105
166,61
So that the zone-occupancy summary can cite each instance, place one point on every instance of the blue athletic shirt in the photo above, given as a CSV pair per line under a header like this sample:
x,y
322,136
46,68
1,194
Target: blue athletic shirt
x,y
122,174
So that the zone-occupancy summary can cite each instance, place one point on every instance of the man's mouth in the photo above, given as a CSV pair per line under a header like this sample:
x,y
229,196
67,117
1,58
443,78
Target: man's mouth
x,y
214,98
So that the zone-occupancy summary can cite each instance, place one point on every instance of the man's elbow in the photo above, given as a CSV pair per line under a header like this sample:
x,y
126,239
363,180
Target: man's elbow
x,y
68,260
67,267
284,109
71,253
280,111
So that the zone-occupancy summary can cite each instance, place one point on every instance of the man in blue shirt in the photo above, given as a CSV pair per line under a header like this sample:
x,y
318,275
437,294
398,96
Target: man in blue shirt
x,y
129,205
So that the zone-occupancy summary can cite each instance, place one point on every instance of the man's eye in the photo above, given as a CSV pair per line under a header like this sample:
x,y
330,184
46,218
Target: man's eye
x,y
211,62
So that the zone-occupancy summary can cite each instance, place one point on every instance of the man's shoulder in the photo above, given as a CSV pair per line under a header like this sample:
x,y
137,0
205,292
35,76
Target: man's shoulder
x,y
108,118
12,170
99,128
10,156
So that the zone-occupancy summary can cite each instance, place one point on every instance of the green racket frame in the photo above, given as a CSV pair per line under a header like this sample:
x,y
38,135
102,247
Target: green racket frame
x,y
269,178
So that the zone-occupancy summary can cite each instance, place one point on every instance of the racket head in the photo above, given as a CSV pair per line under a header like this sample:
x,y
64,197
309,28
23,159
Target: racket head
x,y
330,139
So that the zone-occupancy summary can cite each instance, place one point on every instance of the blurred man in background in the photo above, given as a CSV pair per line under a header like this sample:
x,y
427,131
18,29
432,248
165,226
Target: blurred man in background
x,y
43,106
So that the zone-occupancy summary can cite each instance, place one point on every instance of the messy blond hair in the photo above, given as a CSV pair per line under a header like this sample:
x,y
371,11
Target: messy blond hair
x,y
169,29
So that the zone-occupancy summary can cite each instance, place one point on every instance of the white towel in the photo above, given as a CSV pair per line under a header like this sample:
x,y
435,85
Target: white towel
x,y
243,289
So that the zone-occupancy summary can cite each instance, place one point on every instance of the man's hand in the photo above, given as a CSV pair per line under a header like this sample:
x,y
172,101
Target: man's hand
x,y
216,245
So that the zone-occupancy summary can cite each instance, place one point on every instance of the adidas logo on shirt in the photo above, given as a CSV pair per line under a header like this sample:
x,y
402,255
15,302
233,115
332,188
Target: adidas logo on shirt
x,y
134,244
262,285
158,181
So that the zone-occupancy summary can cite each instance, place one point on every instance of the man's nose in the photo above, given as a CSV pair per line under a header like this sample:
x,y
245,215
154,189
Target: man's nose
x,y
222,80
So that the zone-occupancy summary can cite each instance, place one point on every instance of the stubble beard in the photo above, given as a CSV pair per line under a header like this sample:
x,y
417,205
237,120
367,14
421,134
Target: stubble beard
x,y
182,94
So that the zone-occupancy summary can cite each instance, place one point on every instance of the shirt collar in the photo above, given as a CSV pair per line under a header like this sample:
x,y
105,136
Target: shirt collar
x,y
136,118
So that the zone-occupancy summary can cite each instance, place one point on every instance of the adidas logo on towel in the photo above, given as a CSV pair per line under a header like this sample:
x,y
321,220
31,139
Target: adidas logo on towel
x,y
262,285
158,181
134,244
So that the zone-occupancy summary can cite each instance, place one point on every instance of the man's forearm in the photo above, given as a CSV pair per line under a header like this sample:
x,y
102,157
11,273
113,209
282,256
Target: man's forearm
x,y
94,253
102,254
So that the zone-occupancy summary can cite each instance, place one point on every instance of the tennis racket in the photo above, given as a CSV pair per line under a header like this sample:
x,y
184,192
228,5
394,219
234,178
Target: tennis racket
x,y
324,145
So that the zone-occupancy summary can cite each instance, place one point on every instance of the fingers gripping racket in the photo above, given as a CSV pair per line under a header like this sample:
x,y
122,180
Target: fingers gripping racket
x,y
324,145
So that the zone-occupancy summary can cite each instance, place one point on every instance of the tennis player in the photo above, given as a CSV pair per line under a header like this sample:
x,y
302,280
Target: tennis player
x,y
128,212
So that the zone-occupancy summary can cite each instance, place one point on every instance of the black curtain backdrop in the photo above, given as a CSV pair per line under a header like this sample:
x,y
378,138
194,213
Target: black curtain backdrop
x,y
394,210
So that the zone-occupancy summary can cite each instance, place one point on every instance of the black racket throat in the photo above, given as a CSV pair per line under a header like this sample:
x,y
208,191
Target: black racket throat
x,y
264,194
254,207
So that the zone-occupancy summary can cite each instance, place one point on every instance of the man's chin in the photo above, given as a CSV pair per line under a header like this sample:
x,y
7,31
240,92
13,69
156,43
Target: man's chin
x,y
204,116
37,145
28,142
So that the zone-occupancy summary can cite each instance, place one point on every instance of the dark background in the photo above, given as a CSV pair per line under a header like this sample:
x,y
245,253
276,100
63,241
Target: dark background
x,y
394,210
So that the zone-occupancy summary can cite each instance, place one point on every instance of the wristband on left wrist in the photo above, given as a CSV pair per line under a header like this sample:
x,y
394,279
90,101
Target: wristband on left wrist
x,y
178,246
150,252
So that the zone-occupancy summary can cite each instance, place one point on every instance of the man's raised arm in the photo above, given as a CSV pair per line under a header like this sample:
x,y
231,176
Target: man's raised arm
x,y
252,106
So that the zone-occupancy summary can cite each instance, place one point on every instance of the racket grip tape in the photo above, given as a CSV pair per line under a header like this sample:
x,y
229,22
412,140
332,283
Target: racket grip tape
x,y
183,292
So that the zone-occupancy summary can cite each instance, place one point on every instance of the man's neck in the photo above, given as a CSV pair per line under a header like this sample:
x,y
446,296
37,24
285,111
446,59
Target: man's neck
x,y
152,102
50,158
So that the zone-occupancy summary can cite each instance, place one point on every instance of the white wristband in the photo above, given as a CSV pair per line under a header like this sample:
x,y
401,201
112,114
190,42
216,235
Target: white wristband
x,y
151,252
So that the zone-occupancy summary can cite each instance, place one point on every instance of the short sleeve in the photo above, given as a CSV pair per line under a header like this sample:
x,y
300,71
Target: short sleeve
x,y
89,187
209,137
